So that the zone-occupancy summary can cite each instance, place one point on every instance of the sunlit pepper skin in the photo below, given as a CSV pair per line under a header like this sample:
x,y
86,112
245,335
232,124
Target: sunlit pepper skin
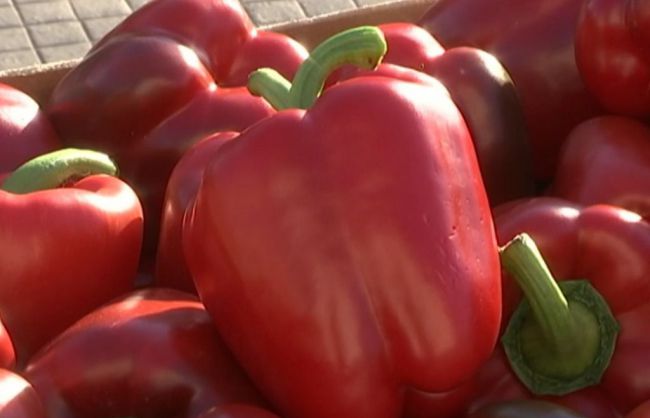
x,y
18,399
150,353
540,60
25,131
606,160
7,352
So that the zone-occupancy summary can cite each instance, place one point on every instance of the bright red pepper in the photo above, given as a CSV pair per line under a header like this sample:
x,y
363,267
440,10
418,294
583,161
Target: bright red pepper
x,y
153,66
184,182
68,244
606,160
346,251
25,131
150,353
611,49
18,399
525,409
534,40
483,92
607,246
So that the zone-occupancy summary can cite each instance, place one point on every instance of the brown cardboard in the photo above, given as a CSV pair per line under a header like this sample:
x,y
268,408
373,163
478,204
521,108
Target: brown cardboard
x,y
38,81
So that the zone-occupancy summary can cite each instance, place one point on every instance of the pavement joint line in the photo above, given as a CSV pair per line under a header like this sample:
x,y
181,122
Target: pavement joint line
x,y
26,29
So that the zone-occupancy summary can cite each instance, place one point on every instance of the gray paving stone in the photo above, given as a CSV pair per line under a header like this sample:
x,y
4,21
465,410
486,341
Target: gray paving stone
x,y
59,33
89,9
268,12
14,39
28,1
5,3
365,3
96,28
136,4
18,59
320,7
63,52
8,17
51,11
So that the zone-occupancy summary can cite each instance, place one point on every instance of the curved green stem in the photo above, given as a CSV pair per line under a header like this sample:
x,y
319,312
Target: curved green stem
x,y
56,168
271,85
363,46
562,336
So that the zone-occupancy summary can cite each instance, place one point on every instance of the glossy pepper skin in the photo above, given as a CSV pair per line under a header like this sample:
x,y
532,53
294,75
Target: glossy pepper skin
x,y
611,49
171,266
67,247
7,352
485,95
349,227
540,61
606,160
18,398
238,411
609,247
169,59
150,353
25,131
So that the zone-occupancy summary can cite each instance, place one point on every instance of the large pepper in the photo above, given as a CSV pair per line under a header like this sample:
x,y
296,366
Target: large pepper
x,y
150,353
483,92
534,40
606,160
611,48
524,409
344,246
171,268
170,58
18,399
25,131
70,235
568,340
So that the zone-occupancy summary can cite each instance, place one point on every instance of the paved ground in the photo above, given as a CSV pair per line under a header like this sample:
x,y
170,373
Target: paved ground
x,y
39,31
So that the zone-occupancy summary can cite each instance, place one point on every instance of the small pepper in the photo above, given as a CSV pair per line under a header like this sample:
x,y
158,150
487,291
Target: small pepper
x,y
70,234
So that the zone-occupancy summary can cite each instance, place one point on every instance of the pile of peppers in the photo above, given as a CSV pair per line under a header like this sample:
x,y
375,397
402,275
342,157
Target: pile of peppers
x,y
445,218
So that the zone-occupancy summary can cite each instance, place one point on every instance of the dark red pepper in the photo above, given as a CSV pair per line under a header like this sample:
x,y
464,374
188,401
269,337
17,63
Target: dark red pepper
x,y
238,411
151,353
606,160
171,267
25,131
361,228
70,237
525,409
151,67
534,41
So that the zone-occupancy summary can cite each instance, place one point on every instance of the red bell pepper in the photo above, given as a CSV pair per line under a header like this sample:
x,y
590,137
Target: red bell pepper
x,y
483,92
171,267
168,59
25,131
641,411
150,353
18,399
611,50
566,340
525,409
69,243
344,246
7,352
534,40
606,160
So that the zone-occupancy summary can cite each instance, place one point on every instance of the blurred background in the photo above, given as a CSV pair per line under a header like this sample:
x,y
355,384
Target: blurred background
x,y
44,31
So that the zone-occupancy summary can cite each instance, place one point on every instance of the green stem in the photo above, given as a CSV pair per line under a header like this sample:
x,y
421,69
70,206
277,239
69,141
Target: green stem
x,y
271,85
56,168
362,46
562,336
